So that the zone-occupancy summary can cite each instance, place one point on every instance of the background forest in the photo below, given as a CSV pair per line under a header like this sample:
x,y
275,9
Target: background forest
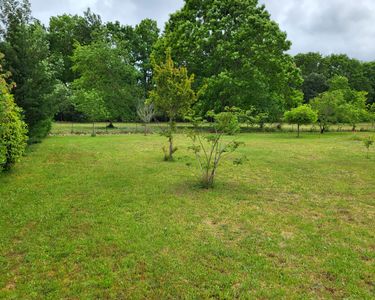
x,y
78,68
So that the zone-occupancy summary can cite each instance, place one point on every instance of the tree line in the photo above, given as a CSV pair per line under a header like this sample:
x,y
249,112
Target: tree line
x,y
79,68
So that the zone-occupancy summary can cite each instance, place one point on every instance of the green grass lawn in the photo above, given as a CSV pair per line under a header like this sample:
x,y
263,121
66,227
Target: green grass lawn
x,y
106,218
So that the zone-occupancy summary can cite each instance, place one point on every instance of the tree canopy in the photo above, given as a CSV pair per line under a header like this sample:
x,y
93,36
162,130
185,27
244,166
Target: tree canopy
x,y
106,70
236,50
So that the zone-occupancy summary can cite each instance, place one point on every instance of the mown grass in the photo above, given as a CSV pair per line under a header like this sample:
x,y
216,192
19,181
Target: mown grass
x,y
106,218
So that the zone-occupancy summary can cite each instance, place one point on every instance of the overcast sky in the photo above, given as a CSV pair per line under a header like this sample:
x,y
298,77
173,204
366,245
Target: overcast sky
x,y
326,26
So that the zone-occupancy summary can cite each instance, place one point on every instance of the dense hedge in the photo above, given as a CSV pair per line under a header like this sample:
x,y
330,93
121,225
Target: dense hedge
x,y
13,132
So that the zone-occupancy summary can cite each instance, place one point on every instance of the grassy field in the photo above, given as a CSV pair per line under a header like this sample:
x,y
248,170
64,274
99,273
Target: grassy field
x,y
106,218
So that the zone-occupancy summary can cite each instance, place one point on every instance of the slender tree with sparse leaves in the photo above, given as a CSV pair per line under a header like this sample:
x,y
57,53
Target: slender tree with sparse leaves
x,y
210,149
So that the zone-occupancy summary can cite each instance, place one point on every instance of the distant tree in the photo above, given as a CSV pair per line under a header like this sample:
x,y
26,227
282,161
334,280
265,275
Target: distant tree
x,y
310,63
173,95
327,104
302,115
313,85
106,69
369,71
92,105
371,114
353,113
352,109
209,149
318,70
340,103
146,113
248,116
252,117
62,94
13,130
352,69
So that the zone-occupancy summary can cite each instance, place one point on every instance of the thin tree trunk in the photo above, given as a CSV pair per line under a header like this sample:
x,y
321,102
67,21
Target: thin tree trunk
x,y
93,129
171,139
322,129
171,147
298,130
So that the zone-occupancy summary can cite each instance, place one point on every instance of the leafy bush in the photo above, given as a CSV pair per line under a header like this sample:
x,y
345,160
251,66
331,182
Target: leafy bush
x,y
209,149
368,142
13,138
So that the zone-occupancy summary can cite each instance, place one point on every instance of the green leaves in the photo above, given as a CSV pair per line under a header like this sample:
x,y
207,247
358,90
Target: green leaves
x,y
106,71
340,104
234,49
13,130
173,93
368,141
91,104
26,48
210,148
301,115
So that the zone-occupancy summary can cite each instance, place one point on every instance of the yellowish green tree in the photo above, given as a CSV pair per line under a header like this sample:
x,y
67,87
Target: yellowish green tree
x,y
173,95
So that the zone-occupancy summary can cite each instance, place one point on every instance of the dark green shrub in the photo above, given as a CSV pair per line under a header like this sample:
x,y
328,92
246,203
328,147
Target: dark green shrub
x,y
39,131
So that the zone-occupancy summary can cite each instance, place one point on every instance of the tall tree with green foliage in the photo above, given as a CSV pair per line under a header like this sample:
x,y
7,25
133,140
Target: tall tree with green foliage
x,y
13,132
146,35
107,70
237,51
173,95
27,57
66,30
